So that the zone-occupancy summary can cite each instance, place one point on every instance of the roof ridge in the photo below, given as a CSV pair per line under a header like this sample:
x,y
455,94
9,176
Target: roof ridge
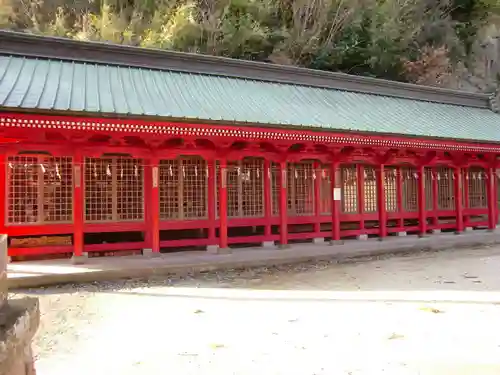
x,y
36,46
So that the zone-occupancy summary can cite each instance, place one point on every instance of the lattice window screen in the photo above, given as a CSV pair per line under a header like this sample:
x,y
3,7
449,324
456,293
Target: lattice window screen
x,y
183,189
446,196
325,190
114,189
390,188
301,188
349,175
245,188
409,189
370,188
39,190
476,178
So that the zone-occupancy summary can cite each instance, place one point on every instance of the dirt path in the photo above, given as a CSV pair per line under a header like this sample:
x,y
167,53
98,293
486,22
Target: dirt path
x,y
427,314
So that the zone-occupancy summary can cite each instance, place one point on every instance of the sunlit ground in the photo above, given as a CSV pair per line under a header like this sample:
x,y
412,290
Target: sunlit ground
x,y
428,314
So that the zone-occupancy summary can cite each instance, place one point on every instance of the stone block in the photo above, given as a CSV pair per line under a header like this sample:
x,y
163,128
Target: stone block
x,y
80,259
436,231
319,241
149,253
362,237
268,245
401,234
469,229
215,249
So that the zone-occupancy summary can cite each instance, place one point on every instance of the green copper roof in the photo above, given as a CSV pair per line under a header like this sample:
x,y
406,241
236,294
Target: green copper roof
x,y
38,84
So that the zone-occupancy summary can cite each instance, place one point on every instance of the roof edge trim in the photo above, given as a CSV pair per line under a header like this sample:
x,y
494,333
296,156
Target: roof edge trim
x,y
35,46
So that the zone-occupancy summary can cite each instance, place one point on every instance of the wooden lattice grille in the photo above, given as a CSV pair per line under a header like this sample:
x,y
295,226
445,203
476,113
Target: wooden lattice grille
x,y
245,188
114,189
300,190
349,176
370,189
325,180
409,177
39,190
391,189
275,188
477,185
183,186
445,190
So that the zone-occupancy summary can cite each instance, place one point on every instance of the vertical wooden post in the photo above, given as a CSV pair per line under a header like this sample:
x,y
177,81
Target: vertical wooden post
x,y
458,199
267,198
211,202
465,195
399,195
4,188
335,203
283,205
361,195
382,210
317,198
422,209
154,184
223,244
78,202
435,196
492,199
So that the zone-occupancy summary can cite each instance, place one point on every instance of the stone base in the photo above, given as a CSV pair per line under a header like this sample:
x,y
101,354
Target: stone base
x,y
80,259
401,234
269,245
362,237
214,249
336,242
283,247
469,229
436,231
149,253
21,320
319,241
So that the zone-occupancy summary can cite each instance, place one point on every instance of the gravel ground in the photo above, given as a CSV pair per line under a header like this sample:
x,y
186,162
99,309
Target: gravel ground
x,y
433,313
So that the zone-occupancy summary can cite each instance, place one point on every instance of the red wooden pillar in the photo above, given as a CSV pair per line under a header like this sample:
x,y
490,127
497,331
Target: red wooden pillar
x,y
422,210
211,202
3,192
435,195
283,205
335,203
361,196
492,199
154,209
78,202
223,244
317,199
457,182
267,198
382,211
465,179
399,195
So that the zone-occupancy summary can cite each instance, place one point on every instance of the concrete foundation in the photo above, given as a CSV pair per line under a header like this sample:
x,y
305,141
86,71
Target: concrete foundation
x,y
81,259
319,241
214,249
19,320
362,237
269,245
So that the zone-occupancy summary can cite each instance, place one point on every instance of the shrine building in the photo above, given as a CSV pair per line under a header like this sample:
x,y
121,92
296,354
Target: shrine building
x,y
108,148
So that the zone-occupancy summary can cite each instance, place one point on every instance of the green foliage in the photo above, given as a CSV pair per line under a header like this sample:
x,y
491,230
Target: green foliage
x,y
406,40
